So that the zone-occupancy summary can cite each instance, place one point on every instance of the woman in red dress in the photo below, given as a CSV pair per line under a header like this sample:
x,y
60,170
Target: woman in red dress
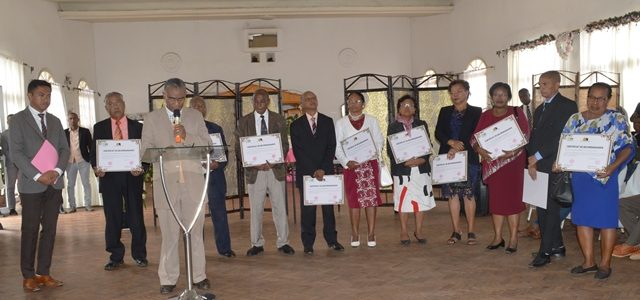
x,y
504,176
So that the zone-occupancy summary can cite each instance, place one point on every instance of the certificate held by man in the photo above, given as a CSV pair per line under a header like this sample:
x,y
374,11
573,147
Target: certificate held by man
x,y
329,191
449,170
218,154
407,145
118,155
258,150
502,136
360,147
584,152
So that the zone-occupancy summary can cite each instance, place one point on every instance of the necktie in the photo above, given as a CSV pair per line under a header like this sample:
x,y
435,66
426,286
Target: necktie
x,y
314,126
44,127
528,112
118,132
263,126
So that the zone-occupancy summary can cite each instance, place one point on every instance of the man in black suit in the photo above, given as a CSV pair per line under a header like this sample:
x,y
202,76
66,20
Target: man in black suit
x,y
80,142
120,189
217,187
548,121
313,140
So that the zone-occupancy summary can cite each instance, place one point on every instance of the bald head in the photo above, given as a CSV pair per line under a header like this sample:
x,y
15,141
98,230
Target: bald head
x,y
309,103
198,104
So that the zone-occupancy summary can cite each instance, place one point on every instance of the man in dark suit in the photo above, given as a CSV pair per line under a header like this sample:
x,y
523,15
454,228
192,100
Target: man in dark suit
x,y
80,142
313,139
120,189
266,177
548,121
217,187
11,172
40,187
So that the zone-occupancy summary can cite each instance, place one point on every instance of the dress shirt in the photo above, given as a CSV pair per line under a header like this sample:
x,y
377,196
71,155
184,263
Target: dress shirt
x,y
259,121
309,119
74,145
124,128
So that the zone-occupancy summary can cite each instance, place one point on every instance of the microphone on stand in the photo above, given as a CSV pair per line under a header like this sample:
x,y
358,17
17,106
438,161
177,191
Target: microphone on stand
x,y
176,121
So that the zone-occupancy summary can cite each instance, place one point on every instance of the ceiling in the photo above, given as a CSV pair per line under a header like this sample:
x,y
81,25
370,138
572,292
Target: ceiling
x,y
143,10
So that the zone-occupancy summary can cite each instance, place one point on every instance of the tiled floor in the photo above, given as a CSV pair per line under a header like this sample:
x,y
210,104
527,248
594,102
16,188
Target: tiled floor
x,y
389,271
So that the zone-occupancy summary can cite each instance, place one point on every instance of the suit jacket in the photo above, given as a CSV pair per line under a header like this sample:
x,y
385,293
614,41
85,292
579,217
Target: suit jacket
x,y
158,133
547,127
4,143
84,140
216,178
469,123
24,143
313,152
398,169
103,131
247,127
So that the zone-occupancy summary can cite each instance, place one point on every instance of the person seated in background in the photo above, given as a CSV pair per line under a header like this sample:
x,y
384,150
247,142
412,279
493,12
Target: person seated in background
x,y
629,211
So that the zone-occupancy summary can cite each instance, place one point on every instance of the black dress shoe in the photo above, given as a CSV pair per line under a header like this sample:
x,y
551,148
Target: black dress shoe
x,y
559,252
540,261
308,251
13,212
166,289
143,262
229,254
496,246
336,246
286,249
602,274
203,285
581,270
112,265
253,251
72,210
510,250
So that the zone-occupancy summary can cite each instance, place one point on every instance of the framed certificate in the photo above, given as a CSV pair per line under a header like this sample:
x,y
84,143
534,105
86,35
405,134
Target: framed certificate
x,y
584,152
504,135
261,149
118,155
408,145
360,147
218,154
329,191
446,170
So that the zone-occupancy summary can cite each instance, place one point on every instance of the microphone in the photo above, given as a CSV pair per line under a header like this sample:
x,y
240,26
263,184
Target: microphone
x,y
176,121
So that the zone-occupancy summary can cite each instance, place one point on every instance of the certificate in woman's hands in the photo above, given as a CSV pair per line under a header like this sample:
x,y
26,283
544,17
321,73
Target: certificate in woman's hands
x,y
407,145
504,135
118,155
328,191
261,149
584,152
360,147
446,170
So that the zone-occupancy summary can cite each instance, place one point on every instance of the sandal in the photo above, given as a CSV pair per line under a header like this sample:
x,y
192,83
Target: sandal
x,y
455,237
471,238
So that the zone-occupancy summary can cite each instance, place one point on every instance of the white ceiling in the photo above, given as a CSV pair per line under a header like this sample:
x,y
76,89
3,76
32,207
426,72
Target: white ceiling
x,y
142,10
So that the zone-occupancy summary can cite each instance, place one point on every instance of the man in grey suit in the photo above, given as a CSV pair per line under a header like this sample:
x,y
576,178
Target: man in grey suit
x,y
11,172
40,190
267,177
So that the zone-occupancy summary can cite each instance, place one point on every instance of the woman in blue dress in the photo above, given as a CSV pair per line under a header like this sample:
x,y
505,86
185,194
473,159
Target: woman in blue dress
x,y
595,195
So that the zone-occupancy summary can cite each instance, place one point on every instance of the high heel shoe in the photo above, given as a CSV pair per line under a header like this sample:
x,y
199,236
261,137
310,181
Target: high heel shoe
x,y
371,244
420,240
494,247
510,250
355,244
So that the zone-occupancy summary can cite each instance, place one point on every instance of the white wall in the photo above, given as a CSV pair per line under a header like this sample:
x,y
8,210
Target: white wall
x,y
480,28
128,54
32,32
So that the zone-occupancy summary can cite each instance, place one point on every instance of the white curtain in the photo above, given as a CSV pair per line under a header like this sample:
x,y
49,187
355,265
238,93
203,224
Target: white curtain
x,y
86,102
478,86
57,106
13,88
615,50
523,64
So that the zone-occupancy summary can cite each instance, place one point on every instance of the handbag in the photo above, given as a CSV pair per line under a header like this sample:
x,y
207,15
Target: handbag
x,y
561,190
385,175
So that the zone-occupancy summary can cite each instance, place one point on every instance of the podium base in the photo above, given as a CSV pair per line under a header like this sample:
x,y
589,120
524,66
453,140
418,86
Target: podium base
x,y
193,295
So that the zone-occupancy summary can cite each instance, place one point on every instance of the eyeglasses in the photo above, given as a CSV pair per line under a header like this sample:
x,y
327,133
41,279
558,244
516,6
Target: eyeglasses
x,y
407,105
597,99
354,101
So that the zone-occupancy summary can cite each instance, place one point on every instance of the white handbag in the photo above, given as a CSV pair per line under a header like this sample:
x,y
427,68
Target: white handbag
x,y
385,175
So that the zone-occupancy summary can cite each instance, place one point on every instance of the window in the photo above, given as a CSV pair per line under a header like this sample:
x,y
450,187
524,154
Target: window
x,y
86,104
57,106
431,82
12,88
476,75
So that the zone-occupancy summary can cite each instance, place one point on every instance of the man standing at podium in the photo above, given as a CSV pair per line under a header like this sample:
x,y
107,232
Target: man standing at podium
x,y
37,136
176,126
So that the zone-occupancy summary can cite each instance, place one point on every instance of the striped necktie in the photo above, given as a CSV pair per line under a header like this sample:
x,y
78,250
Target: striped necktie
x,y
43,125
